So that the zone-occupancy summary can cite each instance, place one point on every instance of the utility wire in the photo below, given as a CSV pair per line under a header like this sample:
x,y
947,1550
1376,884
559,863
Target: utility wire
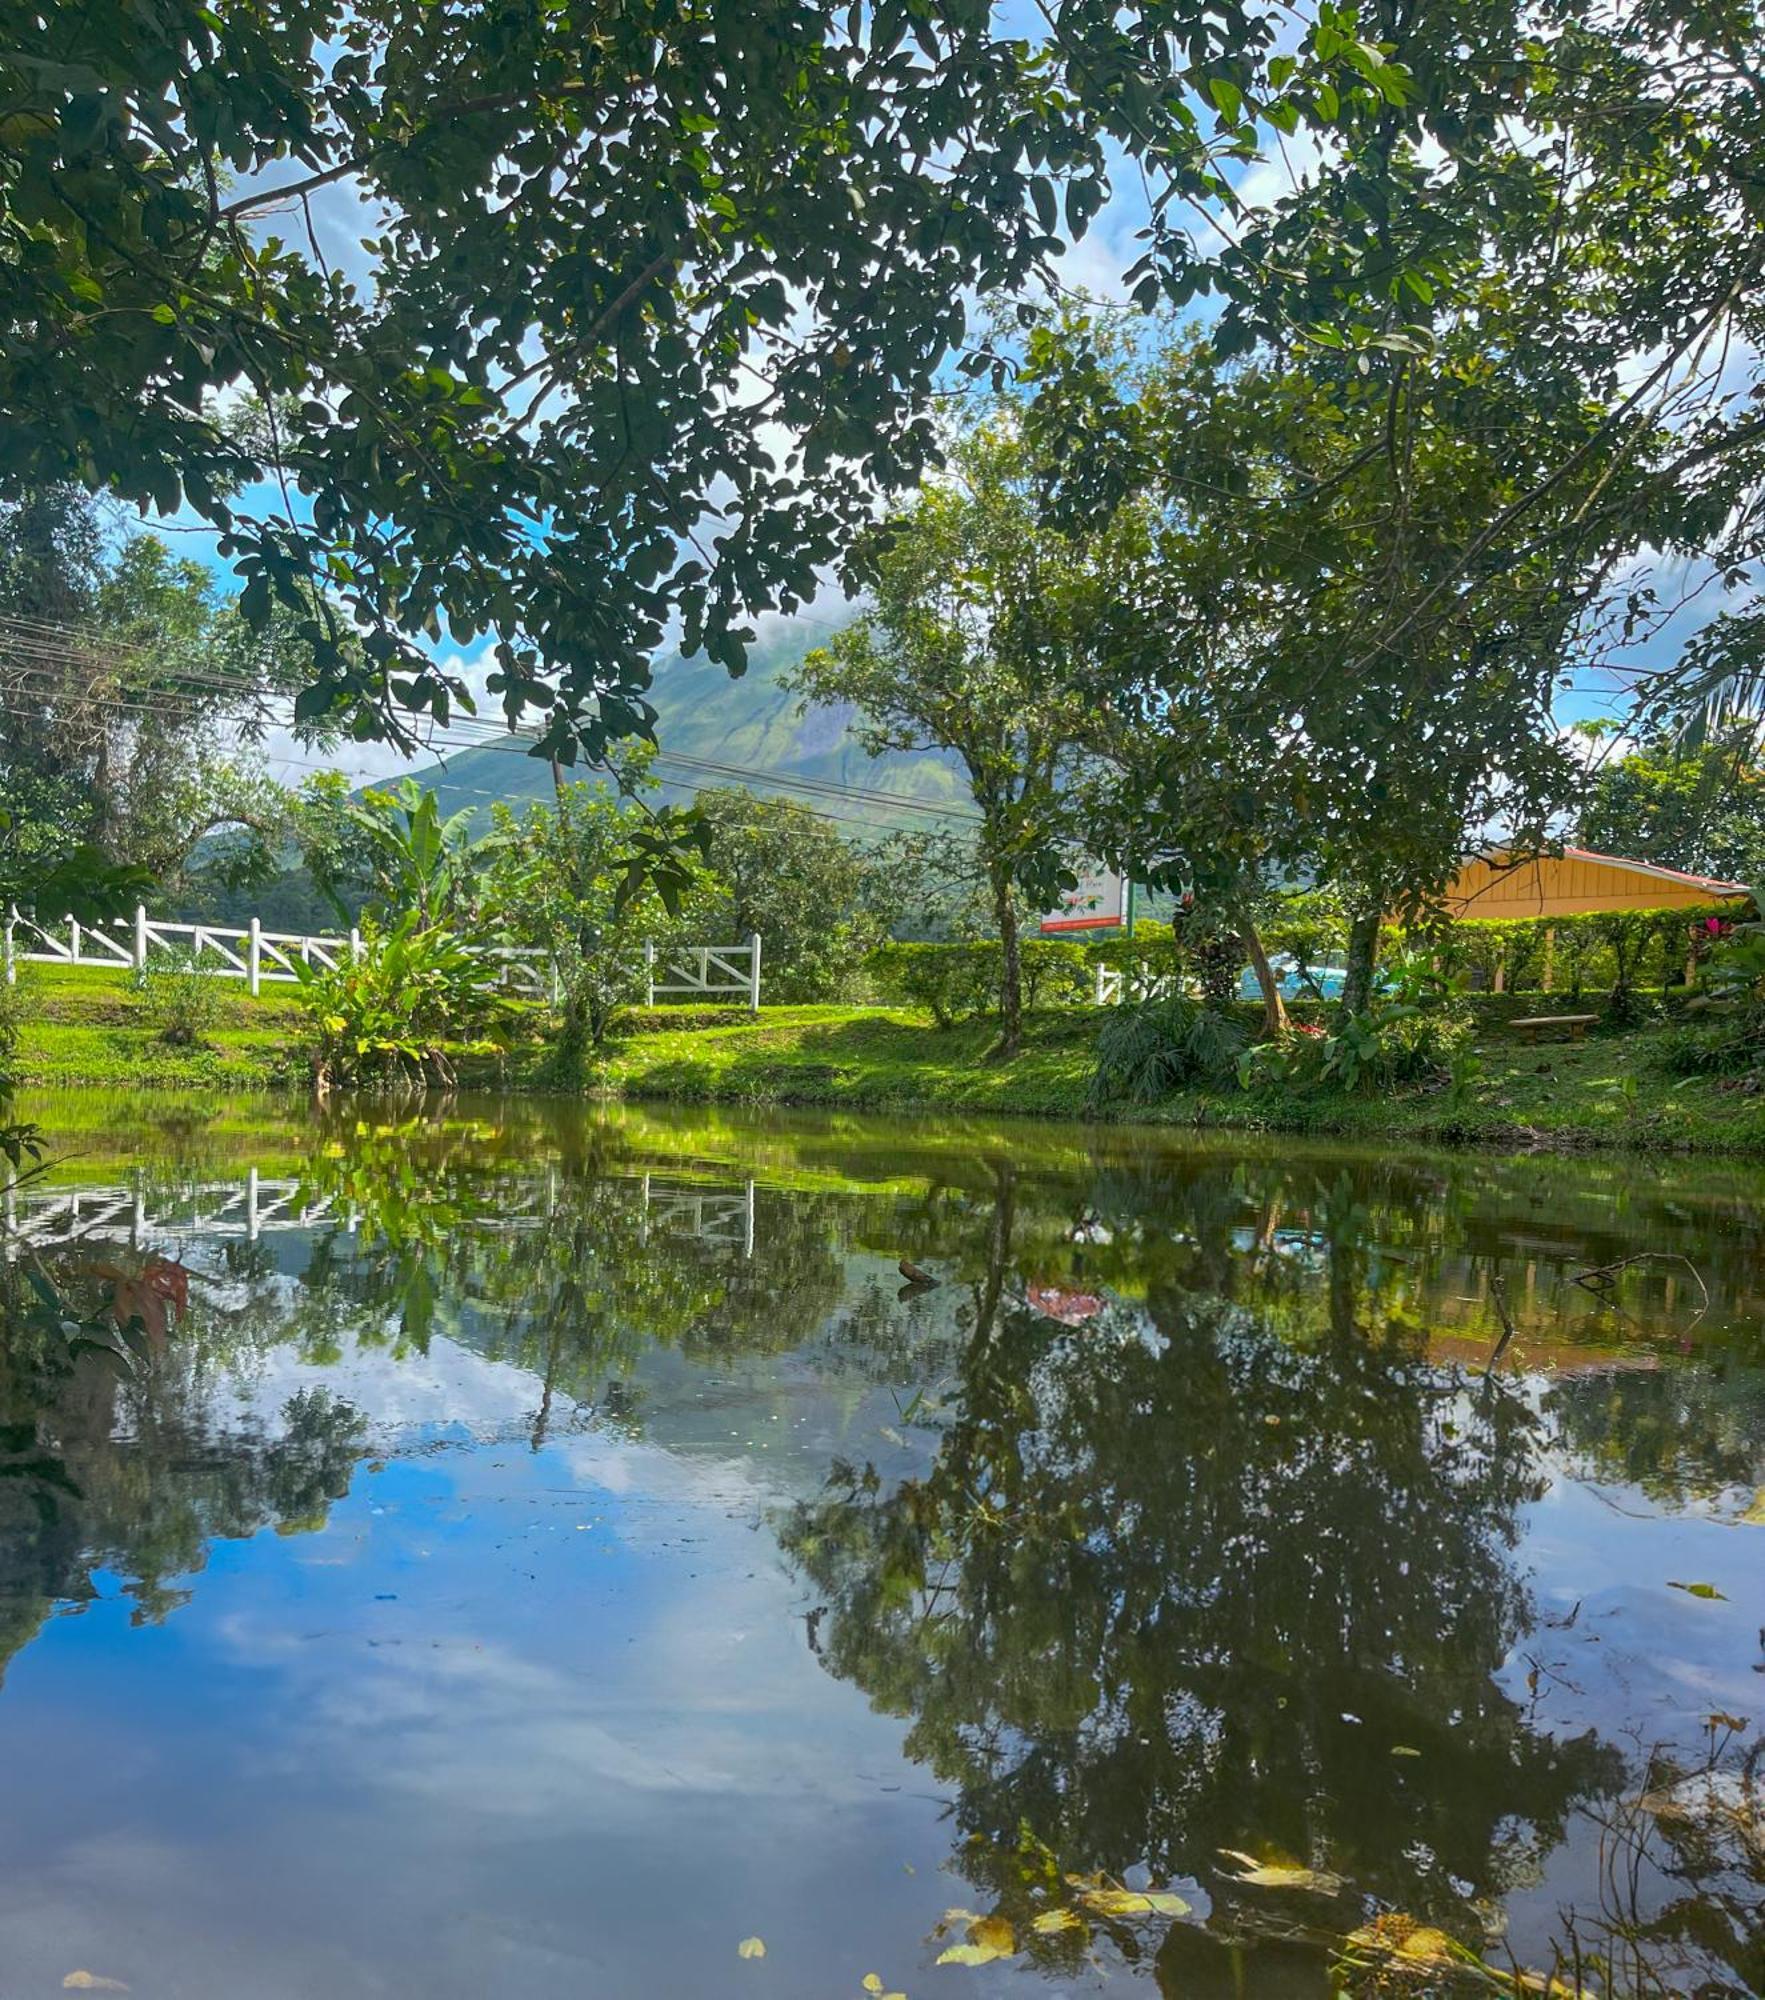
x,y
500,742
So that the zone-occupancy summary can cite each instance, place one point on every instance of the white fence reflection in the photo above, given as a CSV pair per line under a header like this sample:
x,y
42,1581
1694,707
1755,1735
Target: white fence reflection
x,y
261,1205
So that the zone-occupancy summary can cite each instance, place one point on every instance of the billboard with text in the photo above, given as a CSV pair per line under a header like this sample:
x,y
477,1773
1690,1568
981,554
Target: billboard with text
x,y
1095,904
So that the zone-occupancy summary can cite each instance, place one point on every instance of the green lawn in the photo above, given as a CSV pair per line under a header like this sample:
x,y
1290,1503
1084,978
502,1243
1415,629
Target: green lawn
x,y
85,1027
1610,1090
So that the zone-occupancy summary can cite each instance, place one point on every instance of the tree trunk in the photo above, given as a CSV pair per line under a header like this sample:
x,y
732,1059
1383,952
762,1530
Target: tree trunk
x,y
1010,972
1363,957
1274,1008
998,1256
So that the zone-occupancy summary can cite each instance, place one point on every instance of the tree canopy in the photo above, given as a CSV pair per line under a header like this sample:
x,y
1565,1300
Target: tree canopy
x,y
130,694
1700,809
557,324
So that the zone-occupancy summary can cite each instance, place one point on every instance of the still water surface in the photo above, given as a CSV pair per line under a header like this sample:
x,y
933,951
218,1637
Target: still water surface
x,y
556,1548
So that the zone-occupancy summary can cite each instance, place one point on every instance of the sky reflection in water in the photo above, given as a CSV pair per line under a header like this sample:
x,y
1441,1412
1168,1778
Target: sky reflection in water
x,y
558,1547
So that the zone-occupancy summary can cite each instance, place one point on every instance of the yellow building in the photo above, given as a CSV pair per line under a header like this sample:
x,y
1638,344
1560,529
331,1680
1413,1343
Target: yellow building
x,y
1502,888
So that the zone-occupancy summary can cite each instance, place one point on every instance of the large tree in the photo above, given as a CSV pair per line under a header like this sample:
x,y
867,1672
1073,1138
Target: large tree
x,y
130,694
1701,809
1308,675
1590,172
984,631
562,323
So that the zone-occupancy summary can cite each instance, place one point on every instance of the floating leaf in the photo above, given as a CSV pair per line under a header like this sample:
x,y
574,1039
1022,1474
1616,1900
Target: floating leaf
x,y
970,1954
872,1982
1399,1937
1404,1750
1052,1922
1426,1946
1133,1903
751,1948
1698,1590
1281,1875
995,1934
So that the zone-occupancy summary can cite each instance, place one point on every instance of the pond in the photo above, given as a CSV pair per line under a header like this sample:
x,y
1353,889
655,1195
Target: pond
x,y
564,1551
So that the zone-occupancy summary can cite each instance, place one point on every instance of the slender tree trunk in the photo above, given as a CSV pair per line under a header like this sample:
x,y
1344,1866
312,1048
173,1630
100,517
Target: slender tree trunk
x,y
1010,971
1363,957
1274,1008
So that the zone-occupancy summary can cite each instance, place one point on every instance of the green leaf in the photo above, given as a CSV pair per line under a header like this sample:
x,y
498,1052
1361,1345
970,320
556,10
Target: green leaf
x,y
1227,97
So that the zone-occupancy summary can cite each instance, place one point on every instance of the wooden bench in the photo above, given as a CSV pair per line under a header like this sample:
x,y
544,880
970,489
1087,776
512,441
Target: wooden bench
x,y
1577,1024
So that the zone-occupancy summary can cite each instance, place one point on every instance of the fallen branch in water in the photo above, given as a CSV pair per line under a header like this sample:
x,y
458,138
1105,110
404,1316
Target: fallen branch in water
x,y
1602,1280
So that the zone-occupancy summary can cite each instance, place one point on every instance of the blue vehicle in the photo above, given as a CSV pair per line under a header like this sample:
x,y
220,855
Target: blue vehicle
x,y
1322,981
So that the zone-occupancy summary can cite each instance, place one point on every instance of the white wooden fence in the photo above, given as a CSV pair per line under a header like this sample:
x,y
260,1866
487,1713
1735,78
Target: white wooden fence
x,y
260,957
705,971
1114,985
257,956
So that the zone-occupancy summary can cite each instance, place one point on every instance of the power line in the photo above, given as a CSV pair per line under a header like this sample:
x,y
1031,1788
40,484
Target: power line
x,y
504,742
680,785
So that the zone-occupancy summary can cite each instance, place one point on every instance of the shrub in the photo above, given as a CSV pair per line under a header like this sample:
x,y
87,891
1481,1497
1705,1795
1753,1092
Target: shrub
x,y
957,982
1056,973
1395,1042
953,982
1595,951
1733,983
1150,960
386,1017
1146,1052
19,1003
181,997
1715,1048
1414,1032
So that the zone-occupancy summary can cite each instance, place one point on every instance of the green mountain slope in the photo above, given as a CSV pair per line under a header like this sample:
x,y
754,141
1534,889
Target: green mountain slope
x,y
753,728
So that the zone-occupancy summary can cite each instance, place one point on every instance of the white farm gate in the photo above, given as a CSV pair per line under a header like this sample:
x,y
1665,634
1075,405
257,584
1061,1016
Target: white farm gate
x,y
705,971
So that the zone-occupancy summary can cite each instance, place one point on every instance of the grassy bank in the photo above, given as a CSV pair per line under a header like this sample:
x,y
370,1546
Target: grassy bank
x,y
85,1025
1614,1089
1611,1090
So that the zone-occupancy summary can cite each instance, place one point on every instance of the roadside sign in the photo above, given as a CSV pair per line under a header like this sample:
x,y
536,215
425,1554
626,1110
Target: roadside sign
x,y
1096,904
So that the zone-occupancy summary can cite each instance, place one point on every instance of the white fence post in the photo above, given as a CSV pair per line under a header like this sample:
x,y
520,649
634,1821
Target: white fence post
x,y
140,936
73,933
254,958
754,974
649,973
11,954
355,945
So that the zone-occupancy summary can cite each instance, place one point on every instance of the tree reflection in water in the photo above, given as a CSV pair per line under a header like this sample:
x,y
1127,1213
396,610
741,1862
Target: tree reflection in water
x,y
1207,1573
1208,1541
